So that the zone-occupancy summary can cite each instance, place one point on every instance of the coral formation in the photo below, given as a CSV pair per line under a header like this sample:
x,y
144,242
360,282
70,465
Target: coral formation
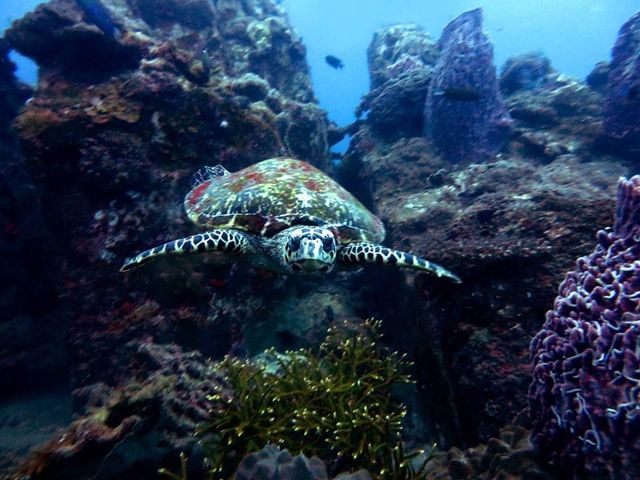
x,y
584,395
622,114
271,463
173,85
465,116
394,109
336,405
397,50
400,59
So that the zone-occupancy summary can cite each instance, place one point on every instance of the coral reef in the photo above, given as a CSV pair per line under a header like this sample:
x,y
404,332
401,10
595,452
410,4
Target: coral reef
x,y
584,395
465,116
622,114
508,225
524,72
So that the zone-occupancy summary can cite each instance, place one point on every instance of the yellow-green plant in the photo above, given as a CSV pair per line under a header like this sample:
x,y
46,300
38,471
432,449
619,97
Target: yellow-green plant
x,y
335,404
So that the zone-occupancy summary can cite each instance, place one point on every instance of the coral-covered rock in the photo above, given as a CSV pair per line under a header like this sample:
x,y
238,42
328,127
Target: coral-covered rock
x,y
622,115
508,455
271,463
599,76
561,116
58,35
465,116
396,108
397,50
32,350
524,72
113,150
509,227
584,396
131,432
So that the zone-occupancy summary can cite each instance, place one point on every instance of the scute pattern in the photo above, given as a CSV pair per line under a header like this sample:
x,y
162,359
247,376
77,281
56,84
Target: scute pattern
x,y
270,196
360,253
229,241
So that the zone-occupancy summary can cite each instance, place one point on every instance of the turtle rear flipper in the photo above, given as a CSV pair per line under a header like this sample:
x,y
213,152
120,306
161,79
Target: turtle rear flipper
x,y
228,241
359,253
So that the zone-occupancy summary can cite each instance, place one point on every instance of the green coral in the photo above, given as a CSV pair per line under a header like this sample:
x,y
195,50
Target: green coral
x,y
335,404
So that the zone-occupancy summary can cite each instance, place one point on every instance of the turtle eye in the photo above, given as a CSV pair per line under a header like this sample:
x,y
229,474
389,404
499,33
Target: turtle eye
x,y
327,244
294,243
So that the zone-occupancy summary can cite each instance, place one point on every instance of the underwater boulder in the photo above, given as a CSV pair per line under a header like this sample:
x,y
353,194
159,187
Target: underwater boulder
x,y
622,112
464,115
584,395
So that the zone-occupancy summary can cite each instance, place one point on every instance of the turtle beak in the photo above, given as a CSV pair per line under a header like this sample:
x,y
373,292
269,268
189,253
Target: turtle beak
x,y
311,266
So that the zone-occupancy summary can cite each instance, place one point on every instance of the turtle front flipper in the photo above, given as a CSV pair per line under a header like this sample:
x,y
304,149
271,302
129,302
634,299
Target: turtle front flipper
x,y
219,240
354,254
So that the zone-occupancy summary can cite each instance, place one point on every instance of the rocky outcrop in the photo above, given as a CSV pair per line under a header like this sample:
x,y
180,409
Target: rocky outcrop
x,y
397,50
509,226
622,115
32,350
122,118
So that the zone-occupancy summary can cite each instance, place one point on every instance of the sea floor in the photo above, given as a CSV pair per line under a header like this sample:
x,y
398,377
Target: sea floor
x,y
27,421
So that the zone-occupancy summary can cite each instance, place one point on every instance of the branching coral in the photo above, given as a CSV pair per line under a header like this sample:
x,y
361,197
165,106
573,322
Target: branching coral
x,y
336,405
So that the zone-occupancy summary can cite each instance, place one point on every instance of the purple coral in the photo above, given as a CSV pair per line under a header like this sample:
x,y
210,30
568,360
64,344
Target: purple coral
x,y
585,396
465,116
622,115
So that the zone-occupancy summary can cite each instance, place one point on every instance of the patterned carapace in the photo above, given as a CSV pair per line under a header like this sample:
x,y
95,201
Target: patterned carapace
x,y
270,196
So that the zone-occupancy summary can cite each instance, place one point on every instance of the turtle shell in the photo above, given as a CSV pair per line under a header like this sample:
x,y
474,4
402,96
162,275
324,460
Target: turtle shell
x,y
272,195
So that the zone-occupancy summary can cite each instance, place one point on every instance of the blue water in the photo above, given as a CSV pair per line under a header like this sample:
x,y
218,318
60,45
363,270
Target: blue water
x,y
574,34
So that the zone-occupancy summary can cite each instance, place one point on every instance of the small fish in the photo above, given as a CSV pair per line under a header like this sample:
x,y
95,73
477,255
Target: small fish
x,y
99,15
334,62
207,64
461,94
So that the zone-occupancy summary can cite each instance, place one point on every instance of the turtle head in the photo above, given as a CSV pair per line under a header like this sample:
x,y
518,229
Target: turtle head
x,y
309,249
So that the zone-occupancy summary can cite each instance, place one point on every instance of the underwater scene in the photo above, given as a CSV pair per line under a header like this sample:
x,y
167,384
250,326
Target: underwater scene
x,y
319,239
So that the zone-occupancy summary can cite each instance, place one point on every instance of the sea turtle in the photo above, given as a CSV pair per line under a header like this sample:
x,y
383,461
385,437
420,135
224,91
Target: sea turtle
x,y
286,216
